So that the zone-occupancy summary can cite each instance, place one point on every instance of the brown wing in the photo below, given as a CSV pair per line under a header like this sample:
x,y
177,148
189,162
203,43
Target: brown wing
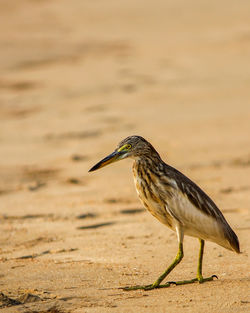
x,y
203,203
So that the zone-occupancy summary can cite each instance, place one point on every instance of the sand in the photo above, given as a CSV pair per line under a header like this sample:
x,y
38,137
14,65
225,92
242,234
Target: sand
x,y
76,78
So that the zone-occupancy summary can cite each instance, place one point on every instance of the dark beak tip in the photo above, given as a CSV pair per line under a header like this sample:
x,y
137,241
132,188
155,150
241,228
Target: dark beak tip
x,y
103,162
92,169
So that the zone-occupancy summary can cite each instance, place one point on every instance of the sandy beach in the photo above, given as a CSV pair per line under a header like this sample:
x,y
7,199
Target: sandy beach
x,y
76,77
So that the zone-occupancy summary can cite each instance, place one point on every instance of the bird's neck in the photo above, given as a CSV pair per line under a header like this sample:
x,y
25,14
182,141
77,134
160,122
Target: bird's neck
x,y
153,161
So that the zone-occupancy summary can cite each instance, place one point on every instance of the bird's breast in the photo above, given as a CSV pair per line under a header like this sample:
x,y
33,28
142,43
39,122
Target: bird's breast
x,y
151,200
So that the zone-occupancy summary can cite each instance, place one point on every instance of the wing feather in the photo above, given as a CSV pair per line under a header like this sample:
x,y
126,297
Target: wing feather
x,y
198,211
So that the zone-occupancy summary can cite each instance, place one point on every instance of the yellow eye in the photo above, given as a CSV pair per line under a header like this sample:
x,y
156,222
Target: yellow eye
x,y
125,147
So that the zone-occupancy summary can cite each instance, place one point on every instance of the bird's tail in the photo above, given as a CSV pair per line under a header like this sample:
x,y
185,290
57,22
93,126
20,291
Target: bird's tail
x,y
231,238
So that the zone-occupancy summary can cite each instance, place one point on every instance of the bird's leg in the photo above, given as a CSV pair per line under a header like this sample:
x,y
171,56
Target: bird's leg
x,y
176,261
199,278
156,284
199,272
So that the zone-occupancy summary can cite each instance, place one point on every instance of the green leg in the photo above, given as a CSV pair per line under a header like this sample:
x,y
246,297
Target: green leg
x,y
156,284
199,272
199,278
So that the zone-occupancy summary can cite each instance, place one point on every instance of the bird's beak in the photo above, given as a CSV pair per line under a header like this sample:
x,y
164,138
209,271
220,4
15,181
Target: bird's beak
x,y
113,157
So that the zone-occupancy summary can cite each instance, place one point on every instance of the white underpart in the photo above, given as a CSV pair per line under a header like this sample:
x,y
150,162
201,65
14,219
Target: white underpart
x,y
194,222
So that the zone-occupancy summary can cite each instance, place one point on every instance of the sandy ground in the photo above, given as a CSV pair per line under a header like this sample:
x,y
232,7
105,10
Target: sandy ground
x,y
76,78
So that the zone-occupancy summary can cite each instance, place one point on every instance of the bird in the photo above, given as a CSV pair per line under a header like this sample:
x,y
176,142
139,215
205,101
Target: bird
x,y
176,201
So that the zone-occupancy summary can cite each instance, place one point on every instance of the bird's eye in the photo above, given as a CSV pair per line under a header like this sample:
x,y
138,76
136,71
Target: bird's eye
x,y
125,147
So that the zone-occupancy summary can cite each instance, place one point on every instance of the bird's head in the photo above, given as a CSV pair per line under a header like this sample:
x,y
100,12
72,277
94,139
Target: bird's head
x,y
131,147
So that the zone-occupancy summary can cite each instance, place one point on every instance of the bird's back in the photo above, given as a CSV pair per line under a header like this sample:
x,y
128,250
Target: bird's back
x,y
173,198
201,203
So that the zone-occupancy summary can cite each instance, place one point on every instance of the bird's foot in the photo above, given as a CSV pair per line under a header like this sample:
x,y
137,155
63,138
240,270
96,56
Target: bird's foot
x,y
168,284
200,279
146,287
203,280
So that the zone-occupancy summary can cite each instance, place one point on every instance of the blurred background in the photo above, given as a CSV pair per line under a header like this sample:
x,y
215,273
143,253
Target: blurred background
x,y
78,76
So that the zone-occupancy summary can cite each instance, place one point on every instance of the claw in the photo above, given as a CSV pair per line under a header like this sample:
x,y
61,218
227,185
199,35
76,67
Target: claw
x,y
215,276
172,282
127,288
